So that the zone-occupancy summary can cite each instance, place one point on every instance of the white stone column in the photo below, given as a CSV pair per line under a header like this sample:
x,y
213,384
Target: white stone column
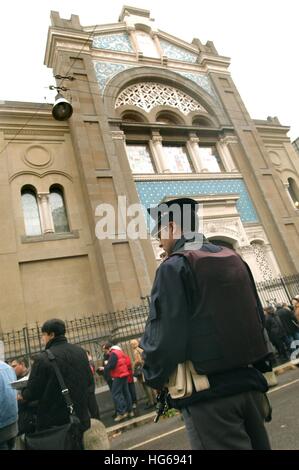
x,y
131,31
193,149
155,156
158,150
225,155
45,213
158,45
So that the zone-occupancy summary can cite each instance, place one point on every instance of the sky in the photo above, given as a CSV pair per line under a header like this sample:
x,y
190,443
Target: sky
x,y
260,37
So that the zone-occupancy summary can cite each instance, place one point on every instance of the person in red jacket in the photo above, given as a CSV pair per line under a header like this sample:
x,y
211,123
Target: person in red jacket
x,y
118,370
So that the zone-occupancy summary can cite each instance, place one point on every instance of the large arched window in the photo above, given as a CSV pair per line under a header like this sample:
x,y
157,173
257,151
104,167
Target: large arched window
x,y
58,210
30,211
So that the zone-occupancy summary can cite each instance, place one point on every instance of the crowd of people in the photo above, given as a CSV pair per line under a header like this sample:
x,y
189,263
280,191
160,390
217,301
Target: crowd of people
x,y
282,325
31,399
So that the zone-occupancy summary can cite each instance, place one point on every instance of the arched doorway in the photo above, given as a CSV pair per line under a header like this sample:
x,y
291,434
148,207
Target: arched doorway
x,y
222,242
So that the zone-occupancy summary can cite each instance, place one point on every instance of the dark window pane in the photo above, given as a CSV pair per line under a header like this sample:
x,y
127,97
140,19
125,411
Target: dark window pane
x,y
58,211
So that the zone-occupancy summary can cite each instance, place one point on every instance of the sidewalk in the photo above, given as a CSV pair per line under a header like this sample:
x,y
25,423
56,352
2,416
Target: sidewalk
x,y
291,365
130,423
148,416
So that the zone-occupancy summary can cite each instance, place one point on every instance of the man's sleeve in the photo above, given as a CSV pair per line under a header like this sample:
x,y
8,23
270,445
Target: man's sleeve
x,y
112,361
165,338
37,380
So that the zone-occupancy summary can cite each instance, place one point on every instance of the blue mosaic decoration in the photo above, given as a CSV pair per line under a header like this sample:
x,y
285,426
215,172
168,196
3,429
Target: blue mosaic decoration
x,y
177,53
202,80
106,70
113,42
151,193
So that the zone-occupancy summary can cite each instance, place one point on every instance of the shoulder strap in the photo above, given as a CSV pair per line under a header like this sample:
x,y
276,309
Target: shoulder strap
x,y
64,390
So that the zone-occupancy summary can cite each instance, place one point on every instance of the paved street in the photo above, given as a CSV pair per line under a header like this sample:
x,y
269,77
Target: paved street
x,y
169,433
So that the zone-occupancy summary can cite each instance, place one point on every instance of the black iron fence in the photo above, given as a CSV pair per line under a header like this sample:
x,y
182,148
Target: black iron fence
x,y
120,327
280,290
90,332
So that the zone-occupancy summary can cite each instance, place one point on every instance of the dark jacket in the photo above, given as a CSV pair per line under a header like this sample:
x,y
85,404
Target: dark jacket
x,y
275,328
44,387
288,320
167,334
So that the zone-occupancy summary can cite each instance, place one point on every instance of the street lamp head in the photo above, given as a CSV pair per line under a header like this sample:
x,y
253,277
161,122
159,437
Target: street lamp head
x,y
62,108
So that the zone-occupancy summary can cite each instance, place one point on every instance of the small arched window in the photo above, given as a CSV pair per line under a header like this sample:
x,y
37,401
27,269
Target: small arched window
x,y
132,117
293,192
30,211
201,121
58,210
168,118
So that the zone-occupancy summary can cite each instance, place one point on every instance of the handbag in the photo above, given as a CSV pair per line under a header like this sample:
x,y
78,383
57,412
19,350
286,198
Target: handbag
x,y
68,436
184,380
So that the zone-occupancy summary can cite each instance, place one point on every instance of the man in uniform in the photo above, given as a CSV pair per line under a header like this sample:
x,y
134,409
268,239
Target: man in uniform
x,y
205,309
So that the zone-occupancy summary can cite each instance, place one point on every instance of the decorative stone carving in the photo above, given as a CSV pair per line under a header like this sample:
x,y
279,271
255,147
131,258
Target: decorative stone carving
x,y
114,42
275,158
231,227
147,95
203,81
118,135
176,52
106,70
37,156
262,261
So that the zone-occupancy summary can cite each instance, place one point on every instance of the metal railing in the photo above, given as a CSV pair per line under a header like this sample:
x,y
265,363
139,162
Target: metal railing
x,y
90,332
120,327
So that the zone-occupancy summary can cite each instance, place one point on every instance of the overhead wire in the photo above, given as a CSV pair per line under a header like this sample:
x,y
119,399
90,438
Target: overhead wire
x,y
42,104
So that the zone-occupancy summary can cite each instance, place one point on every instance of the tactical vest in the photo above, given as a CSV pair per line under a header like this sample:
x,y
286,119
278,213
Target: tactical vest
x,y
225,331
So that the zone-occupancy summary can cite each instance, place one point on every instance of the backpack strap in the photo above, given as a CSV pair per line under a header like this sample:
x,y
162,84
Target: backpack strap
x,y
64,390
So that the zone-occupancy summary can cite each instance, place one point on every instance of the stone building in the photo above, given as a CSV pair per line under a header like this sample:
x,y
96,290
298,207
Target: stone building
x,y
154,117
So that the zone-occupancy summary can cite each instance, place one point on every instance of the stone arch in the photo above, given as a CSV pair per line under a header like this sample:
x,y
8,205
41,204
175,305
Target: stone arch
x,y
134,75
171,114
287,174
227,240
201,120
224,241
129,114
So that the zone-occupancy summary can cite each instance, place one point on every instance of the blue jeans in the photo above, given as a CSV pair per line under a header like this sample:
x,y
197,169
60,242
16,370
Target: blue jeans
x,y
121,395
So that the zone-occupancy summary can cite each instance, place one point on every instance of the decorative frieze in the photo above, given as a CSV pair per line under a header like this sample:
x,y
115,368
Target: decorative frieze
x,y
113,42
148,95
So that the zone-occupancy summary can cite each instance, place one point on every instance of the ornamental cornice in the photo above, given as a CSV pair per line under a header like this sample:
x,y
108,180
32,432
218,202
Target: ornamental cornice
x,y
187,176
40,175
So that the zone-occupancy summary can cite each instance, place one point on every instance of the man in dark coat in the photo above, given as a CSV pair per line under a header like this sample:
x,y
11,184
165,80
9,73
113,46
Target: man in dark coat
x,y
290,324
277,333
205,309
43,384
